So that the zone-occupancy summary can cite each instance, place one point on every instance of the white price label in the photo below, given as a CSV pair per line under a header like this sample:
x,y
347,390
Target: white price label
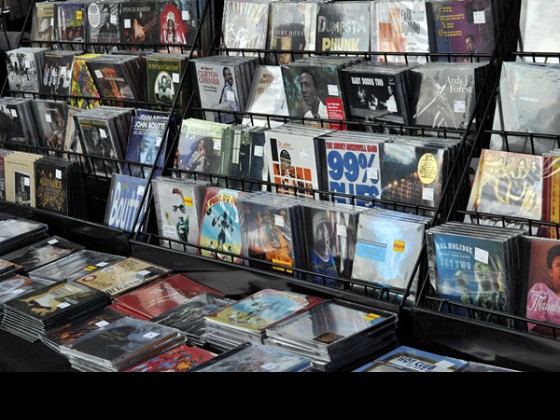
x,y
230,96
259,151
63,305
333,90
102,133
102,324
143,273
58,174
479,18
481,255
151,335
269,366
63,71
102,264
279,220
428,194
52,21
459,107
341,230
141,190
303,155
26,182
14,113
17,291
114,19
185,15
53,241
48,118
372,173
217,145
158,141
98,74
127,23
443,366
176,78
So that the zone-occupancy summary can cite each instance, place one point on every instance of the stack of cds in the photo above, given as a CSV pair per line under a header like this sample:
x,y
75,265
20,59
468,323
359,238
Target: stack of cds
x,y
74,266
159,297
189,316
16,233
41,253
336,334
16,285
408,359
247,319
121,345
62,337
253,357
48,307
179,359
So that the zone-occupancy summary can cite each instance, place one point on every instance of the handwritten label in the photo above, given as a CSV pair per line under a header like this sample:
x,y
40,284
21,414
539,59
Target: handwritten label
x,y
479,18
481,255
333,90
279,220
259,151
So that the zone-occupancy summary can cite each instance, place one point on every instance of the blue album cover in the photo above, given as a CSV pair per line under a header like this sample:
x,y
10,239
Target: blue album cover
x,y
146,140
471,270
220,226
123,205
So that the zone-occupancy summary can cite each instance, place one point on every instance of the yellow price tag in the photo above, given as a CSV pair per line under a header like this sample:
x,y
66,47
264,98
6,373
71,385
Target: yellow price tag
x,y
371,316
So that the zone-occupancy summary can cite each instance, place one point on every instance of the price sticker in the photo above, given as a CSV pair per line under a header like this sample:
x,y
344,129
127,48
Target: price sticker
x,y
53,241
102,264
185,15
127,23
102,324
63,71
14,113
98,74
279,220
48,118
114,19
303,155
63,305
176,78
459,106
269,366
17,291
442,366
372,173
479,18
90,268
481,255
341,230
58,174
218,145
26,182
52,21
333,90
151,335
143,273
79,14
141,190
428,194
259,151
230,96
371,316
102,133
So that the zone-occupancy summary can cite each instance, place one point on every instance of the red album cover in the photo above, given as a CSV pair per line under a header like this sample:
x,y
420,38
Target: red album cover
x,y
179,359
159,297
